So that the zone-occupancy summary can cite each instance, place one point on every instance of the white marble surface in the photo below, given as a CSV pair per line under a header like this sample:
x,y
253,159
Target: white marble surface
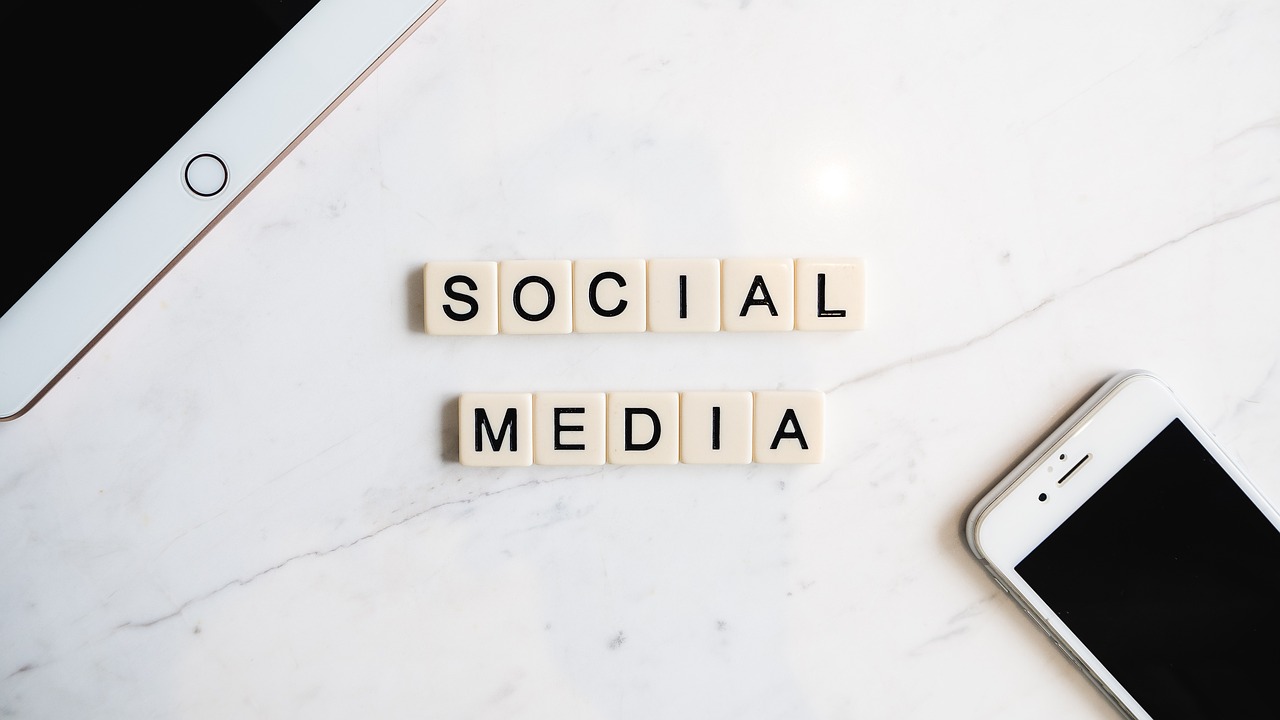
x,y
244,503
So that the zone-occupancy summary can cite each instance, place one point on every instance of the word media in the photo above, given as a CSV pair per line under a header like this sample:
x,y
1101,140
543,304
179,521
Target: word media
x,y
641,428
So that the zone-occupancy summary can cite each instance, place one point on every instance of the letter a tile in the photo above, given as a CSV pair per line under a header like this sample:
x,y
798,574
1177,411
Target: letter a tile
x,y
757,295
789,426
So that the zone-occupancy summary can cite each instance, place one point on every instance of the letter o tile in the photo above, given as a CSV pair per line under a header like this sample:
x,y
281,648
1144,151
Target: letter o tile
x,y
536,297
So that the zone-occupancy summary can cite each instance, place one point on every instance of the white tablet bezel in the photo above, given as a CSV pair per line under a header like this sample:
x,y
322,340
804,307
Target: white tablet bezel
x,y
321,60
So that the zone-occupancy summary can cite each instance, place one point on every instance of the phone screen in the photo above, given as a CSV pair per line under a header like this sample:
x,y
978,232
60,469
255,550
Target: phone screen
x,y
1170,575
97,106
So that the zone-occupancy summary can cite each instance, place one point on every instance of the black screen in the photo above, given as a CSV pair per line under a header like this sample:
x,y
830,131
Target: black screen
x,y
100,91
1171,576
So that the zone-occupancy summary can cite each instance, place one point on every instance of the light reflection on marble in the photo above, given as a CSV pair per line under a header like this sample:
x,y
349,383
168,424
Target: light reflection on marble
x,y
243,502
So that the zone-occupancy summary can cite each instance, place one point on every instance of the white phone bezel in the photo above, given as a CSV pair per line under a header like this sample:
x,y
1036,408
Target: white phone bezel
x,y
317,64
1111,427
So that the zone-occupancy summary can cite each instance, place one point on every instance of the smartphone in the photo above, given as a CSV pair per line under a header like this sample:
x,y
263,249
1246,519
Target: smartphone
x,y
1142,550
136,126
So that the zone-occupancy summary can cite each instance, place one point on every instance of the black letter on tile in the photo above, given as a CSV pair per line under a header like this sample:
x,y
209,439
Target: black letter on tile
x,y
551,298
463,297
628,413
764,299
822,299
684,297
556,413
789,417
591,294
482,424
715,428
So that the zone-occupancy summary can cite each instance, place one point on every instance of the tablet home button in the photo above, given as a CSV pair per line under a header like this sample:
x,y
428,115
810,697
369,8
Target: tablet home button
x,y
206,175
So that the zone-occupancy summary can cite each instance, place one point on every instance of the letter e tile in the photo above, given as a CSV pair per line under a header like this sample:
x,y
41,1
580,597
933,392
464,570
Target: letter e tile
x,y
568,428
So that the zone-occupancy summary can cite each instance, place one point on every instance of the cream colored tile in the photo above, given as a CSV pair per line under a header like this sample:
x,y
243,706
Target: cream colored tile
x,y
535,297
644,428
715,427
495,429
684,294
757,295
830,294
460,298
789,426
568,428
609,296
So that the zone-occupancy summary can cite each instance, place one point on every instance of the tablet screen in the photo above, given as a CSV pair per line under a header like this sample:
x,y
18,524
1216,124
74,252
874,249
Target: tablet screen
x,y
103,101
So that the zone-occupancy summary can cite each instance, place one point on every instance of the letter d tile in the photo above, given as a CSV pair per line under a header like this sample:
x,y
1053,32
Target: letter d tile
x,y
643,428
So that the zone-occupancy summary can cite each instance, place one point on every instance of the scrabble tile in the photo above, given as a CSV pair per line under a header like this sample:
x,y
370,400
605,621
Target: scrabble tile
x,y
715,427
643,428
495,429
568,428
789,426
684,294
535,297
460,298
830,294
609,296
757,295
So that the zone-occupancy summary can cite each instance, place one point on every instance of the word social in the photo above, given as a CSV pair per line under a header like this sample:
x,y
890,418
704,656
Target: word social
x,y
525,297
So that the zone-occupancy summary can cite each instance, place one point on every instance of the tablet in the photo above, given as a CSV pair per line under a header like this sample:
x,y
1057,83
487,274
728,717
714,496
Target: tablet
x,y
139,126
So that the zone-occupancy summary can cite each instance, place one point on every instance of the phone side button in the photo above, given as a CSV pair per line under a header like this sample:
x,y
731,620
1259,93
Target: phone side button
x,y
205,175
1053,636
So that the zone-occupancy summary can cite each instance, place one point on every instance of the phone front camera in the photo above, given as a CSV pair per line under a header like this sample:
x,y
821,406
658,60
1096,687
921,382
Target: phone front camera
x,y
1043,497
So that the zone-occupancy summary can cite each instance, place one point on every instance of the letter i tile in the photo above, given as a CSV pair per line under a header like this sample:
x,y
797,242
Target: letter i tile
x,y
684,295
715,427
